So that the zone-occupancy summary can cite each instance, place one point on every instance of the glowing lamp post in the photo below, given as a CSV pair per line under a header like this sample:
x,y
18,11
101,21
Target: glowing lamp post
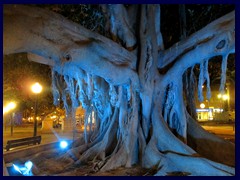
x,y
224,97
36,89
202,105
8,108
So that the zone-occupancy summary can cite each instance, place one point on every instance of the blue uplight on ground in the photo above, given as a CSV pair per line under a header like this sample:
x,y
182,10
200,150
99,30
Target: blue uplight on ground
x,y
63,144
24,170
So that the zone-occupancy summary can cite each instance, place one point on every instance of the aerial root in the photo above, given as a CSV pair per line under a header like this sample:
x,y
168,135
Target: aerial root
x,y
192,165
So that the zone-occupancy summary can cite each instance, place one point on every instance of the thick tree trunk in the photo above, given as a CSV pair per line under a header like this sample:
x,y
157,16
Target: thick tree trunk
x,y
135,93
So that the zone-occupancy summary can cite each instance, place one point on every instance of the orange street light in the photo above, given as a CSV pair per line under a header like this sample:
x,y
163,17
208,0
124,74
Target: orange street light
x,y
9,107
225,97
36,89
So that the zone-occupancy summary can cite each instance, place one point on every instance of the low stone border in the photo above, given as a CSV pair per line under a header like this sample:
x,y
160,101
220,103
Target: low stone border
x,y
10,156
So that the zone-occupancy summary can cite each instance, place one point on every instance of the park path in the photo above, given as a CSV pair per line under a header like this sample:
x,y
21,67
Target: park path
x,y
226,131
27,131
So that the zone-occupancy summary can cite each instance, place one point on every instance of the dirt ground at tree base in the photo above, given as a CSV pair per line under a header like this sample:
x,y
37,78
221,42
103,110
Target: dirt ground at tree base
x,y
121,171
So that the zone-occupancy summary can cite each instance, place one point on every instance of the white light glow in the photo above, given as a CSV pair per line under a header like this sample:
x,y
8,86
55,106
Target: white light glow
x,y
63,144
5,110
9,107
225,97
29,164
52,117
202,105
36,88
17,168
202,110
25,170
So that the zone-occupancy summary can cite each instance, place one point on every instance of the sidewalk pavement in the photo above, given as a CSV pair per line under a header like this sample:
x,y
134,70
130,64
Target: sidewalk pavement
x,y
225,131
27,131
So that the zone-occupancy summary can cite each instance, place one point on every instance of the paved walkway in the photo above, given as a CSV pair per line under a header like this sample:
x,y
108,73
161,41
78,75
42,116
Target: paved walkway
x,y
27,131
225,131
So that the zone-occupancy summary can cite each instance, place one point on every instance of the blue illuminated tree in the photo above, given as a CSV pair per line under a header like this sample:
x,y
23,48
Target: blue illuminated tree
x,y
130,84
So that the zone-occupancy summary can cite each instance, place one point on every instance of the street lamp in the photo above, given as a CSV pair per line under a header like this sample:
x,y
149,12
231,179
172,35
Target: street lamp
x,y
36,89
219,96
202,105
223,97
8,108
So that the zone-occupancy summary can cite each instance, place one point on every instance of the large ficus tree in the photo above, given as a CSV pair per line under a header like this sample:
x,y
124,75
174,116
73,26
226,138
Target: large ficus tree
x,y
130,85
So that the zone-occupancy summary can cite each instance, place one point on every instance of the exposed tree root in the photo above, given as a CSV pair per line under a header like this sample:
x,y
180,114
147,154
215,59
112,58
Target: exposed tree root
x,y
209,145
115,162
195,166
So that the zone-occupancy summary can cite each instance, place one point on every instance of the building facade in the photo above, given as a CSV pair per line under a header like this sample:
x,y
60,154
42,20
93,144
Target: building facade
x,y
220,106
